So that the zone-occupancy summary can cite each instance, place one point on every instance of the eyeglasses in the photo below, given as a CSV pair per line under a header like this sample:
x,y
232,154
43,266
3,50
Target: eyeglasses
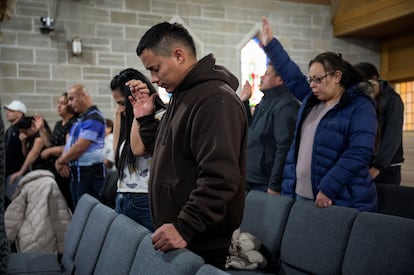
x,y
318,79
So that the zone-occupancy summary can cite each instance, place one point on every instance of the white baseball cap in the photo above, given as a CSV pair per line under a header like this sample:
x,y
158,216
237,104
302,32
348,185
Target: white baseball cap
x,y
16,105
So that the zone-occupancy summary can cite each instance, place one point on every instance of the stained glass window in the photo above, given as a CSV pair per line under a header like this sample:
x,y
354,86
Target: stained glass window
x,y
253,66
164,95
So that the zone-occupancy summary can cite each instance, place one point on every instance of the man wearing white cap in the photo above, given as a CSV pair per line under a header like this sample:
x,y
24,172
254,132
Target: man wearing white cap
x,y
16,106
13,147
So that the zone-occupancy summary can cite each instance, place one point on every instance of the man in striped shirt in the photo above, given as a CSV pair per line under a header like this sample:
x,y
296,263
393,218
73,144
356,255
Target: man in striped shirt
x,y
83,156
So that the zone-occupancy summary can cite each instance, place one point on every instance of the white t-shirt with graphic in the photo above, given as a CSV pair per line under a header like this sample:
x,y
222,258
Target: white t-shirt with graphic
x,y
135,181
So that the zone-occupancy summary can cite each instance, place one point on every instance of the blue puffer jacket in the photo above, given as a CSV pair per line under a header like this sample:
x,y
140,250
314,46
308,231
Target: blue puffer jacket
x,y
342,150
344,140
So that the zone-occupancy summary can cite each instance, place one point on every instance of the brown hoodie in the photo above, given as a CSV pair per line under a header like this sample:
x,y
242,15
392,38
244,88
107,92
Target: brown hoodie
x,y
199,162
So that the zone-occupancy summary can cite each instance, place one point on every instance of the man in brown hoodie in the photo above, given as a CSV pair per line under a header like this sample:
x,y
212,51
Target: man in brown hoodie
x,y
197,184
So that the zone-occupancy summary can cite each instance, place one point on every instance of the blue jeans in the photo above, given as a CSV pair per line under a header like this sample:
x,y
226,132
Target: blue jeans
x,y
92,187
136,207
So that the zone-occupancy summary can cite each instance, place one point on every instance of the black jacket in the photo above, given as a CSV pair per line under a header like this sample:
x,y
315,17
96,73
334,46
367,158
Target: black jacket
x,y
270,136
389,150
13,147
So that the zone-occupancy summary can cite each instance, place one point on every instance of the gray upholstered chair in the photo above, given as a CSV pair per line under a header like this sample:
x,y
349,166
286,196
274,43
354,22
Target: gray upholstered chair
x,y
92,238
395,200
75,230
265,217
175,262
33,263
315,239
208,269
380,244
123,239
108,192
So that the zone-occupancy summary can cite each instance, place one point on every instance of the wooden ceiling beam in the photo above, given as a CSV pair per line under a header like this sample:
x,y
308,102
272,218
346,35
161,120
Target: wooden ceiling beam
x,y
369,18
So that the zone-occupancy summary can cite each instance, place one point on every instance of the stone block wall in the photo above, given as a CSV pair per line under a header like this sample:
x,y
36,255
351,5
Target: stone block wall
x,y
36,68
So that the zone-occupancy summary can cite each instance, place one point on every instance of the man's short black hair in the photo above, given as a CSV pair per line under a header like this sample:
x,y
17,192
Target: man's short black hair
x,y
163,37
367,69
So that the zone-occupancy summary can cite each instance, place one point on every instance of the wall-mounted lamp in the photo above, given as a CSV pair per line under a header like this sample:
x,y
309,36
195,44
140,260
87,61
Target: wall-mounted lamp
x,y
47,24
76,46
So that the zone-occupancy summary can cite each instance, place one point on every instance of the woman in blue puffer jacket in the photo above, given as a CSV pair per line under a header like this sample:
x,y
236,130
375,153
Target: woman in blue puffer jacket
x,y
335,131
334,139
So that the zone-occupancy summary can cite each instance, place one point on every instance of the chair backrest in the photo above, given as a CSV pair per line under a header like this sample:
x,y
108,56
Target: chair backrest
x,y
93,238
120,246
315,239
208,269
396,200
265,217
109,188
380,244
75,230
175,262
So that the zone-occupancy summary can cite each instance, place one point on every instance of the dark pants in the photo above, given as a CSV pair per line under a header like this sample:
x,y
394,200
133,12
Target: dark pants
x,y
91,186
87,180
216,257
63,184
136,207
64,187
256,186
390,175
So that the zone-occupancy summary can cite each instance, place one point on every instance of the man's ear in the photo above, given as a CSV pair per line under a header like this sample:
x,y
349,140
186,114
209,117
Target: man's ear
x,y
278,80
179,55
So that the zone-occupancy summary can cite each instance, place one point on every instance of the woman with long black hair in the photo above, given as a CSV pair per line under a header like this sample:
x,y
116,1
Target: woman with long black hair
x,y
133,169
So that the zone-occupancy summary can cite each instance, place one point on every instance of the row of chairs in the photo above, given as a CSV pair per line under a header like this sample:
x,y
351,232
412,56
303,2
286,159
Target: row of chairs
x,y
299,238
100,241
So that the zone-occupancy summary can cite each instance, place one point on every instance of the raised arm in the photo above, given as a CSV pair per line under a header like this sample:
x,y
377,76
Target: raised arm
x,y
39,124
145,124
290,72
245,94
